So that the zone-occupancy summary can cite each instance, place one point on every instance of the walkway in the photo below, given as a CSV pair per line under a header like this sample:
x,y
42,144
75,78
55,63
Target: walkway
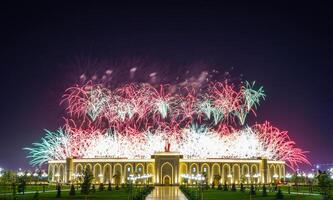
x,y
166,193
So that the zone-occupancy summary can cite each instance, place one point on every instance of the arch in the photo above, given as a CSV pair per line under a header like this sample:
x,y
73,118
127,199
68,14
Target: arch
x,y
236,173
79,169
97,172
215,173
139,168
194,167
278,171
167,169
88,167
283,171
55,171
128,169
107,173
150,168
151,171
166,180
205,169
272,173
226,173
182,170
245,173
254,173
117,173
61,173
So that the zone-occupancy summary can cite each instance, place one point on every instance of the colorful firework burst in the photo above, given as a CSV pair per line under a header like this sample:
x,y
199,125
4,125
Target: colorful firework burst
x,y
199,123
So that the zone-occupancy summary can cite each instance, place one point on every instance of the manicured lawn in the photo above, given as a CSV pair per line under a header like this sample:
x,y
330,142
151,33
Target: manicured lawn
x,y
212,194
121,194
32,187
217,194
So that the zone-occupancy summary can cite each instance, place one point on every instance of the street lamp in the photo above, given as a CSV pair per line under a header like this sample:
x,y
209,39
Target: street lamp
x,y
44,175
20,173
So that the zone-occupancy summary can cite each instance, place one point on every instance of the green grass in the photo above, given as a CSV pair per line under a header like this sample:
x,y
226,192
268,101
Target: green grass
x,y
228,195
121,194
213,194
32,187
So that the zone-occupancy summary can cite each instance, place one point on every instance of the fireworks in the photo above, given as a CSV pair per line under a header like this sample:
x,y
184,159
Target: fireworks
x,y
199,123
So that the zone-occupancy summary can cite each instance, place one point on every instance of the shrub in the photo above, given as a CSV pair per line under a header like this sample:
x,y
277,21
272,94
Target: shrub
x,y
58,191
117,187
109,187
219,187
233,187
279,194
242,188
93,189
101,187
36,196
264,191
72,191
225,186
87,178
252,191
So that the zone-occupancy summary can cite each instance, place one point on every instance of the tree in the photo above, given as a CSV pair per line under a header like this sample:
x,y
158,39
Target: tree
x,y
217,179
117,178
109,187
233,187
101,187
72,191
264,191
242,188
36,196
86,184
58,191
279,194
225,186
324,184
93,188
8,177
252,191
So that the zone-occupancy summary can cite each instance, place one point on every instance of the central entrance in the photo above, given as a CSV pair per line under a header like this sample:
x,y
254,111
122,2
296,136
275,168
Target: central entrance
x,y
167,173
166,167
166,180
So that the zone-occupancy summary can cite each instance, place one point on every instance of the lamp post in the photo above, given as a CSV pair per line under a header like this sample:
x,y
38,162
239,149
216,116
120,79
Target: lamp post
x,y
199,178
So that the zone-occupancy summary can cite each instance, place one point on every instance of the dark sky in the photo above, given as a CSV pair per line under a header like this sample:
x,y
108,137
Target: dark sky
x,y
287,48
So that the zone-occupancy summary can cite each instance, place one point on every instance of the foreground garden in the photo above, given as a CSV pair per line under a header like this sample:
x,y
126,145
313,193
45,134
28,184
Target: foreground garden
x,y
239,193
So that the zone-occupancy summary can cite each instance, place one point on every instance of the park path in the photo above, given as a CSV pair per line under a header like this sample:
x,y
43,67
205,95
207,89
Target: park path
x,y
166,193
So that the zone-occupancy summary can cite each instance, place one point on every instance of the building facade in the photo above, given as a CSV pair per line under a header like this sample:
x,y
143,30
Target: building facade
x,y
167,168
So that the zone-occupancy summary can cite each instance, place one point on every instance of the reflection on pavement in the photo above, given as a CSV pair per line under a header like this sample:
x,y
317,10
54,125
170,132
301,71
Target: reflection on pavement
x,y
166,193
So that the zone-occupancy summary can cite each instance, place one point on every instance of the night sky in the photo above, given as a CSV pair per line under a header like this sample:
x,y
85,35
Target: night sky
x,y
286,48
